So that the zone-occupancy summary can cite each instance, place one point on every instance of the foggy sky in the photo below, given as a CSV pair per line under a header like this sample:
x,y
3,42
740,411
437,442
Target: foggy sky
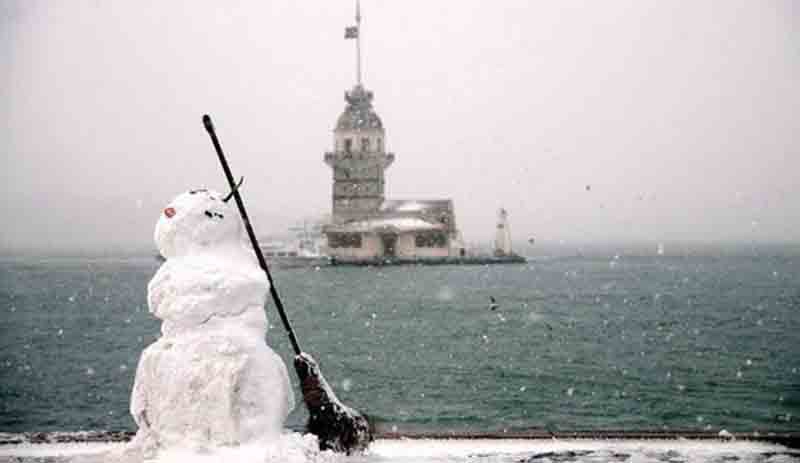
x,y
588,121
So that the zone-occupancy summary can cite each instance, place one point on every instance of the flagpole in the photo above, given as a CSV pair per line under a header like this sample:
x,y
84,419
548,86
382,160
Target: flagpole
x,y
358,43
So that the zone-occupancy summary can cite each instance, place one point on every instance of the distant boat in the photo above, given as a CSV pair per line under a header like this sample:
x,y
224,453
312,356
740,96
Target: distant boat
x,y
290,255
302,251
278,249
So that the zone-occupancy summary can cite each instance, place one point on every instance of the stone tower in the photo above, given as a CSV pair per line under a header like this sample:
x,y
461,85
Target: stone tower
x,y
359,158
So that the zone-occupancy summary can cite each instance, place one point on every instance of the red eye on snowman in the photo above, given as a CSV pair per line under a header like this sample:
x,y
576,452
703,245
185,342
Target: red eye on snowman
x,y
169,212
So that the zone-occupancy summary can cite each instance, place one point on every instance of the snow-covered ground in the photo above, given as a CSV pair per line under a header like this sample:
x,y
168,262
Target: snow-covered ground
x,y
448,451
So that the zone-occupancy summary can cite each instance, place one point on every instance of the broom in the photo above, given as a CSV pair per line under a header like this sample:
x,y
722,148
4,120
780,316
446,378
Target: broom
x,y
337,426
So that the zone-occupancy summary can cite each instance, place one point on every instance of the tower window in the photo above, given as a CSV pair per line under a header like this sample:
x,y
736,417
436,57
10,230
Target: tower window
x,y
348,145
365,144
380,145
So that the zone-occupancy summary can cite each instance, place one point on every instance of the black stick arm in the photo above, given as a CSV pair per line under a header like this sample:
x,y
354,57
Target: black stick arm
x,y
261,261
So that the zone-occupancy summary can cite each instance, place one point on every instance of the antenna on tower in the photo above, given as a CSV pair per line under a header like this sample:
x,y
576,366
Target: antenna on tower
x,y
354,32
358,41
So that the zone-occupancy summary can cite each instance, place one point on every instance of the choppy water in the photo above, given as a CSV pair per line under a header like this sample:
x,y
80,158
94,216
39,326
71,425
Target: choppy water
x,y
700,338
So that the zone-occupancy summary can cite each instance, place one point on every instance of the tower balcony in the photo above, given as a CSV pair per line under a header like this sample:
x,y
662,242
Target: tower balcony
x,y
334,157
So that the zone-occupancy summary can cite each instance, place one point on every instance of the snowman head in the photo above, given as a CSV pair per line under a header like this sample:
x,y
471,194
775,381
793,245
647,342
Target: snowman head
x,y
196,221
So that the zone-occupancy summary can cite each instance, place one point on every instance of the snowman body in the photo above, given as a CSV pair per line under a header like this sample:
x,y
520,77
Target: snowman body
x,y
210,379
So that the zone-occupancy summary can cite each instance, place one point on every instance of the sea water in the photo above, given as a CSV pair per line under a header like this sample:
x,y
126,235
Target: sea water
x,y
702,338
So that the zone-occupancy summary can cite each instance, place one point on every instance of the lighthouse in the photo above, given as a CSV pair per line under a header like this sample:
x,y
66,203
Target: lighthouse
x,y
502,241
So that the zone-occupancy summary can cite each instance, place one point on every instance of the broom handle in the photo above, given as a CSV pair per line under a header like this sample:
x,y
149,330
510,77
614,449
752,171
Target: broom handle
x,y
261,261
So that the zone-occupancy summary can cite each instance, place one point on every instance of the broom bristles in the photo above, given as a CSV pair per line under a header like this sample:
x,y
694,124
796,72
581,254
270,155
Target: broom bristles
x,y
337,426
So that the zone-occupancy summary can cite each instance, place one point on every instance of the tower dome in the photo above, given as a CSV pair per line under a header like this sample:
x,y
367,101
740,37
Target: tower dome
x,y
359,113
359,129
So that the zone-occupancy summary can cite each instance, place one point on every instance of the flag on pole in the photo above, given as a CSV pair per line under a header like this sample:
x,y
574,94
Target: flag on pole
x,y
351,32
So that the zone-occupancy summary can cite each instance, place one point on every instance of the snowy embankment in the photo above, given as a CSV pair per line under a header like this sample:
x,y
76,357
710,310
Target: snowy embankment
x,y
299,449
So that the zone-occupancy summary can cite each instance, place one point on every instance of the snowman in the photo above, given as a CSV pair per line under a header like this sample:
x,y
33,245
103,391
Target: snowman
x,y
210,380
